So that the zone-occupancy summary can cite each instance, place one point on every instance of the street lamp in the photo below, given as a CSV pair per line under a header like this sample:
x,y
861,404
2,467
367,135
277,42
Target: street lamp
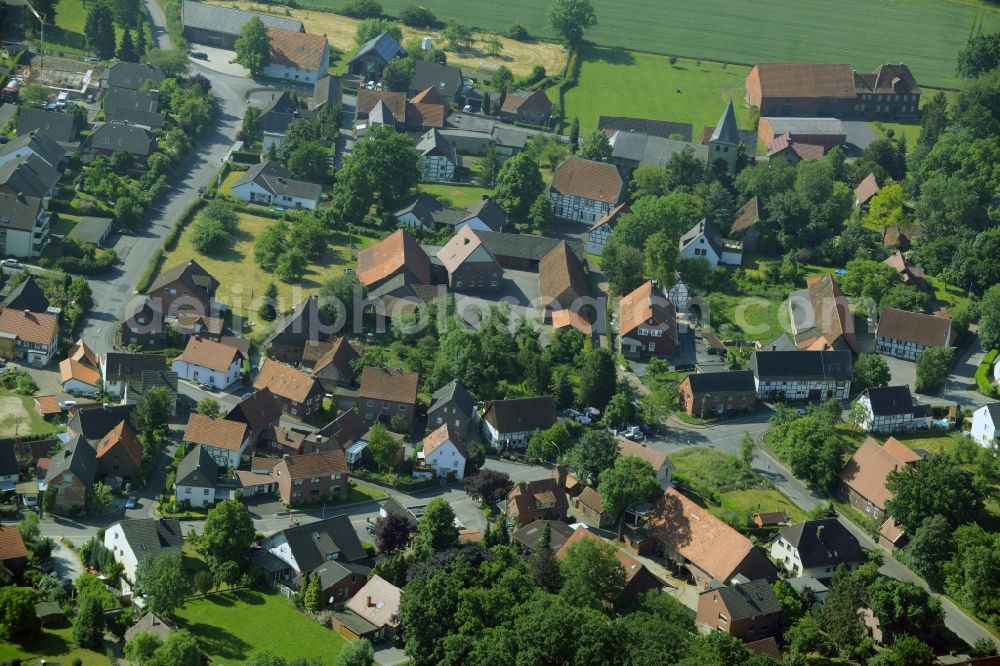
x,y
41,39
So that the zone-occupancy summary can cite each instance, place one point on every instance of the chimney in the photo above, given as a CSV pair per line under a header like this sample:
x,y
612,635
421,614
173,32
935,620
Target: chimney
x,y
774,347
368,601
20,197
819,532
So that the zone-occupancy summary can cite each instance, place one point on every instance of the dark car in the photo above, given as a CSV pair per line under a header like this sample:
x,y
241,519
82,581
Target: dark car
x,y
199,55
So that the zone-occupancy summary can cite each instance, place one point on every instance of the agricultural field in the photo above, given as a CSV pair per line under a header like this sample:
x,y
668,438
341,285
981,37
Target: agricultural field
x,y
240,277
926,34
614,82
520,57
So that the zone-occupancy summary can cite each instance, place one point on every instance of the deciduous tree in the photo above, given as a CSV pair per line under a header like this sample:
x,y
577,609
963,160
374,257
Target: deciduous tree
x,y
253,46
628,482
595,146
870,370
938,486
933,366
518,185
437,525
88,624
392,533
383,447
228,532
592,575
17,613
595,452
570,18
163,582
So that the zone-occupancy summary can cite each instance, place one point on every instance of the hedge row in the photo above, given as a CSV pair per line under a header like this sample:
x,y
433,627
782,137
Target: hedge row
x,y
169,243
984,374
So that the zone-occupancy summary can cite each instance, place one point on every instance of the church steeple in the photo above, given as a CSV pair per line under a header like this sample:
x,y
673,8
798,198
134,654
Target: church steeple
x,y
725,131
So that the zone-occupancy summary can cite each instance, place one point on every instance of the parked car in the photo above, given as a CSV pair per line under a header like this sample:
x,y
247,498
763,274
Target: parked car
x,y
11,263
206,387
66,404
131,502
199,55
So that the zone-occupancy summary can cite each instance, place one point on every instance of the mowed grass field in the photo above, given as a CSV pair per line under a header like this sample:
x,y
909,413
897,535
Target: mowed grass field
x,y
67,33
614,82
926,34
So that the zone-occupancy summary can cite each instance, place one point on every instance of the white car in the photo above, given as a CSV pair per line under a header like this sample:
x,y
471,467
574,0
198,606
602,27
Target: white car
x,y
10,263
66,404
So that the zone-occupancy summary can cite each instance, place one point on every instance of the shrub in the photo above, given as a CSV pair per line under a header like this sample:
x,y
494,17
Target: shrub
x,y
361,9
210,237
517,32
417,17
984,380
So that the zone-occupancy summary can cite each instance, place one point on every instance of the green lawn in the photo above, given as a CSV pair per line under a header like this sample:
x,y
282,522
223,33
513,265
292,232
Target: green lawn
x,y
241,278
53,643
761,319
230,627
948,295
18,416
614,82
926,34
460,196
760,499
66,36
230,180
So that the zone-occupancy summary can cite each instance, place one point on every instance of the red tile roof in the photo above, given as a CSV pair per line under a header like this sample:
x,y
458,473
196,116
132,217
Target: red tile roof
x,y
866,189
388,384
36,327
398,251
867,470
297,49
11,543
219,433
436,439
209,354
923,329
640,306
309,465
285,381
596,181
121,436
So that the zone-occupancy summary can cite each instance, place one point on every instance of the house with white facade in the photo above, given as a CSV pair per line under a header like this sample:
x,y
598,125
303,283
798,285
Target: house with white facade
x,y
443,455
906,335
892,409
120,368
585,190
815,548
985,422
270,184
802,374
296,56
437,158
133,540
225,441
702,242
209,362
511,423
26,225
598,235
197,479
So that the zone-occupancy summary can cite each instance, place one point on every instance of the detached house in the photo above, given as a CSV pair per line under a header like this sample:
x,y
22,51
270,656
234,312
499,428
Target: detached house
x,y
815,548
80,371
443,455
110,138
647,323
529,501
186,288
13,554
985,422
131,76
72,472
131,541
372,613
701,242
438,158
296,56
371,59
118,369
197,478
749,611
453,405
384,393
802,375
511,423
892,409
662,467
862,481
224,440
584,190
300,394
119,455
906,335
864,192
271,184
446,80
470,266
526,106
311,477
27,225
93,422
30,337
209,362
718,393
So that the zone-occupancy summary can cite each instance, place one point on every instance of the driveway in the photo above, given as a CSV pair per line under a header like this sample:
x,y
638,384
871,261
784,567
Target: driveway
x,y
960,387
859,136
219,60
520,289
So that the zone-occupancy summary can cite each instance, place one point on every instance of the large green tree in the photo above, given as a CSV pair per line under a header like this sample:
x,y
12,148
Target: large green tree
x,y
154,409
356,653
989,318
902,607
384,165
140,648
981,54
518,184
933,366
99,30
310,162
938,486
253,46
599,379
630,481
163,582
594,453
595,146
180,649
17,613
870,370
228,532
570,18
88,624
437,525
592,575
383,446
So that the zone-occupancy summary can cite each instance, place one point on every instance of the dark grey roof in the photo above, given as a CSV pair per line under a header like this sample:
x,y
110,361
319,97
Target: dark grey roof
x,y
805,126
529,535
29,175
696,231
133,106
446,79
392,505
424,207
132,75
489,211
27,296
524,246
19,212
267,561
521,414
384,46
433,143
357,624
77,456
119,136
513,137
829,365
277,180
725,130
96,422
197,469
325,91
154,379
8,460
230,21
453,392
823,543
91,229
993,409
330,539
660,128
126,366
649,150
747,600
306,320
39,143
61,127
148,537
890,400
735,381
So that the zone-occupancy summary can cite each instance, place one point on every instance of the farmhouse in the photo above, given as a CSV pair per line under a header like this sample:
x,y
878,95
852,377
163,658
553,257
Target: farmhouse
x,y
526,106
296,56
270,184
333,367
718,393
523,252
802,375
892,409
598,235
784,147
437,158
862,481
647,323
561,279
470,265
701,241
749,611
907,335
399,254
584,190
220,27
823,321
631,150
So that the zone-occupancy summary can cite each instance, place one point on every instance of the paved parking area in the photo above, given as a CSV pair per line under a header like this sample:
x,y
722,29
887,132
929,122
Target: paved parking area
x,y
219,60
903,372
520,290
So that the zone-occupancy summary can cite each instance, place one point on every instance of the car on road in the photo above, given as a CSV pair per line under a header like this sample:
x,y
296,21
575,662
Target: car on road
x,y
159,31
206,387
11,263
66,404
92,59
132,502
199,55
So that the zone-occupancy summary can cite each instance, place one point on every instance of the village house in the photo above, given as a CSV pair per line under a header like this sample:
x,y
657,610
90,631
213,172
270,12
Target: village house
x,y
453,405
209,362
119,455
821,318
29,296
260,411
226,441
785,147
71,473
443,455
151,624
131,76
892,409
379,107
749,611
30,337
699,545
135,389
197,478
584,190
446,80
328,548
470,266
598,235
638,579
562,282
985,421
33,143
27,230
29,175
109,138
526,106
386,393
701,241
13,554
184,288
647,323
590,506
511,423
906,335
296,56
270,184
300,395
815,548
142,324
93,422
438,159
339,433
745,229
331,362
399,254
311,478
220,27
371,59
118,369
862,481
63,128
718,393
802,375
912,274
523,252
372,613
134,107
662,467
293,333
132,541
275,117
529,501
863,193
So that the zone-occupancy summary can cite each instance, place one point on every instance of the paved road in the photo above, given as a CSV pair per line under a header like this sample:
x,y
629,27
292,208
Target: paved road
x,y
960,387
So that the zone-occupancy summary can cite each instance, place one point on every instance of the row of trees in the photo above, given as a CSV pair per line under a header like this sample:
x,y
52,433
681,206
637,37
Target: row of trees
x,y
99,30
